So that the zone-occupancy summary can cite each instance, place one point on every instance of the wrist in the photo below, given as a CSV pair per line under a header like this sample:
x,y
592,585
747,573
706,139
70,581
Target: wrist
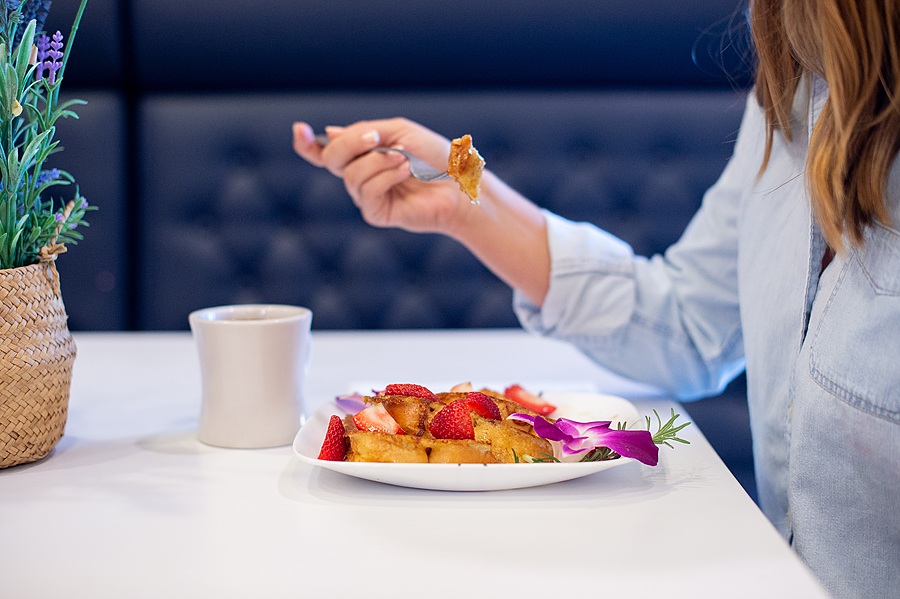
x,y
508,233
486,216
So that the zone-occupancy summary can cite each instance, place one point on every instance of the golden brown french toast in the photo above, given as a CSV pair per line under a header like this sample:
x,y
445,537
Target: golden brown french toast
x,y
466,166
456,428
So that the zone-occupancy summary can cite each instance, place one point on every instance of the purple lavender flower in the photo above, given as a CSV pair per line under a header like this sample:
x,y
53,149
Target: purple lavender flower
x,y
46,177
54,54
43,48
59,217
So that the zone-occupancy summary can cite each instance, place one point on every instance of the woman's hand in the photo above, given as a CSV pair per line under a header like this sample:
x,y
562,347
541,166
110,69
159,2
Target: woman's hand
x,y
505,231
379,183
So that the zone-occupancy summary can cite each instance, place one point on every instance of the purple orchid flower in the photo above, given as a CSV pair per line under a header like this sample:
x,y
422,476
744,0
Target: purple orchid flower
x,y
571,440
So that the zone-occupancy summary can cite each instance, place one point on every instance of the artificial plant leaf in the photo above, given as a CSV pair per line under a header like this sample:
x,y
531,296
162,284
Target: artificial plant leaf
x,y
23,56
9,86
34,147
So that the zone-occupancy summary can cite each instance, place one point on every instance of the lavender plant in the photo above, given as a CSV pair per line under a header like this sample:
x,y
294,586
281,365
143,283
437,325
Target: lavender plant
x,y
32,65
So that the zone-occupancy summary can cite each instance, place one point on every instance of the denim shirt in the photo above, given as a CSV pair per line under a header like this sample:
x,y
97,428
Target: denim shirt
x,y
744,288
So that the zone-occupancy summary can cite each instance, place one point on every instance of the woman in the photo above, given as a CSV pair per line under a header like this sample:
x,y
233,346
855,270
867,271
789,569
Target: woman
x,y
791,267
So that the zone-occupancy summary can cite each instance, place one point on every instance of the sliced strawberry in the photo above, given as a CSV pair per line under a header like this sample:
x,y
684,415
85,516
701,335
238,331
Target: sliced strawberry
x,y
409,390
334,448
376,419
482,405
453,421
534,403
461,388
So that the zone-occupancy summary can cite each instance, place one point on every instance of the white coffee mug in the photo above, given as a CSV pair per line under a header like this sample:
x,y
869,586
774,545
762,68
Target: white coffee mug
x,y
253,364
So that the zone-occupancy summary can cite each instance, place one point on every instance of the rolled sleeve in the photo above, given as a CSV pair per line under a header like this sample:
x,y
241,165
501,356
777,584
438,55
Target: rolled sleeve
x,y
591,283
672,320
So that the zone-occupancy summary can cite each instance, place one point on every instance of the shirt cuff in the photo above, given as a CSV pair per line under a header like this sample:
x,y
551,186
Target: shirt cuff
x,y
591,278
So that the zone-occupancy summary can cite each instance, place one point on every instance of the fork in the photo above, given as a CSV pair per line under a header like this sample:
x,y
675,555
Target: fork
x,y
418,168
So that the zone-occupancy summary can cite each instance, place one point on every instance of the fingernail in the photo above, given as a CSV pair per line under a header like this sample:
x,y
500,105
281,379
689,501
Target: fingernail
x,y
333,129
372,137
304,130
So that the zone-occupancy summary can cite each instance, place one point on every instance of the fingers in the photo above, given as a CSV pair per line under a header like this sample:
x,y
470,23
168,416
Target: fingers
x,y
379,183
347,145
369,178
305,145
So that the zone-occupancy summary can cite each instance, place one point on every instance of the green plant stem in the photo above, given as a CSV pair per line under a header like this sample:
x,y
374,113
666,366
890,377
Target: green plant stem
x,y
71,40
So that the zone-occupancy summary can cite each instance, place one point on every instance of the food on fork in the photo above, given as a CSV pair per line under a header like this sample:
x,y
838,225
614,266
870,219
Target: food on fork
x,y
466,165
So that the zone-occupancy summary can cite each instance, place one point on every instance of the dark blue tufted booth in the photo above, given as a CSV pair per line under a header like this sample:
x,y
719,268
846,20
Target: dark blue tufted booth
x,y
617,113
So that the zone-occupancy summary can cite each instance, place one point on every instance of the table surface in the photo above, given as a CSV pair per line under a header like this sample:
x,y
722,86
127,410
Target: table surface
x,y
130,504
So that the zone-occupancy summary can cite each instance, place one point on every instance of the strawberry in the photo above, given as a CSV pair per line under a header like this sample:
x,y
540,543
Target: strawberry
x,y
534,403
461,388
453,421
376,419
482,405
335,446
409,390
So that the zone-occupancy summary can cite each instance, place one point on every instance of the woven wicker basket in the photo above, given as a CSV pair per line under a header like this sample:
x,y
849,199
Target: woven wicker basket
x,y
36,356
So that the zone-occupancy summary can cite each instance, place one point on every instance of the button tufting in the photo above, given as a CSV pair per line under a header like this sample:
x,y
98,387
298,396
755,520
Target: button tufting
x,y
268,227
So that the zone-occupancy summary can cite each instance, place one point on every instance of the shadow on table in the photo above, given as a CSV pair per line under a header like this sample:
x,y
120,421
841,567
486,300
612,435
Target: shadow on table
x,y
725,422
629,484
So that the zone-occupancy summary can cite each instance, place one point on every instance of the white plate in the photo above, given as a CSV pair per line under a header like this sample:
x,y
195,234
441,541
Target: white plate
x,y
583,407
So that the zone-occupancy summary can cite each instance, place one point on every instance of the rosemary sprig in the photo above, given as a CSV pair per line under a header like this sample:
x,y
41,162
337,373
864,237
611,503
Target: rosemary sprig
x,y
533,460
668,431
600,454
547,458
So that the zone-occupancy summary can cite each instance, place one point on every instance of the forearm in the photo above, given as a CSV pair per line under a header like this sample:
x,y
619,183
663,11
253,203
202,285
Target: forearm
x,y
508,234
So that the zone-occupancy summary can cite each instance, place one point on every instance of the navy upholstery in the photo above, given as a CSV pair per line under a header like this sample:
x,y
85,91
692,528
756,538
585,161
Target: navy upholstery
x,y
94,275
235,218
348,44
621,114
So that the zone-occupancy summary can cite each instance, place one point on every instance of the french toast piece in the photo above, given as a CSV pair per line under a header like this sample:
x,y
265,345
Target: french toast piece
x,y
385,447
496,441
451,451
449,396
504,439
409,412
466,166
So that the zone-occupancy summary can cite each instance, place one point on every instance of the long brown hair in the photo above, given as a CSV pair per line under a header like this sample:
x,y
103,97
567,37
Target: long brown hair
x,y
854,45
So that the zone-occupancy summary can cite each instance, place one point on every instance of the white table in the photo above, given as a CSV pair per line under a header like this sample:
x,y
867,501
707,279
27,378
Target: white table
x,y
130,504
